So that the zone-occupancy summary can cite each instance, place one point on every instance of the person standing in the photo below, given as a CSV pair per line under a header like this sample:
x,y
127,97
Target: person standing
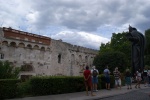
x,y
117,76
107,77
88,80
128,79
138,78
148,74
145,77
95,73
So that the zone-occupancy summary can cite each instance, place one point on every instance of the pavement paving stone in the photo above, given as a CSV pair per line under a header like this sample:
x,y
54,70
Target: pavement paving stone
x,y
133,95
100,95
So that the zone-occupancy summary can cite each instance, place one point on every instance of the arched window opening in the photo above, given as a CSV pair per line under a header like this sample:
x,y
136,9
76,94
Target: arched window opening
x,y
72,59
86,59
42,48
29,46
13,44
59,58
5,43
22,45
36,47
92,60
80,58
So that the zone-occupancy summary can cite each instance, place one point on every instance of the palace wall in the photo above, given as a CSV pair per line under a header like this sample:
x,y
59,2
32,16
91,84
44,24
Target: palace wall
x,y
40,55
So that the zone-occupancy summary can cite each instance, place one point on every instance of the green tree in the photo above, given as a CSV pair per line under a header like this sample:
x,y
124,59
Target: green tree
x,y
112,59
147,48
105,47
118,43
7,71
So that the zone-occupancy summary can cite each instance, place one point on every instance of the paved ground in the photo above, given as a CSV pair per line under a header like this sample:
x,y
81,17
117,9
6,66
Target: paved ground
x,y
113,94
141,94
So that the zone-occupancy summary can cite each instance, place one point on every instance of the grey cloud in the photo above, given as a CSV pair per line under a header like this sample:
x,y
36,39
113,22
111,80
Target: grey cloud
x,y
84,15
81,16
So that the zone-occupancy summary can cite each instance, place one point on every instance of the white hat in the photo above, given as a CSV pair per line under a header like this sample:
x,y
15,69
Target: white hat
x,y
93,67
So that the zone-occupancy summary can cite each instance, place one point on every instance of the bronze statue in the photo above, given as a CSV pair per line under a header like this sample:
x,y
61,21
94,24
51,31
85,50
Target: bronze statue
x,y
138,44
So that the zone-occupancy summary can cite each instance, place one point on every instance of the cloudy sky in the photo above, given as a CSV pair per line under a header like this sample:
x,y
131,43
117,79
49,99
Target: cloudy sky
x,y
86,23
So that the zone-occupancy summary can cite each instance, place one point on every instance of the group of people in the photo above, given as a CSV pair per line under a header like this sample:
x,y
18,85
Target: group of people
x,y
91,78
138,77
142,75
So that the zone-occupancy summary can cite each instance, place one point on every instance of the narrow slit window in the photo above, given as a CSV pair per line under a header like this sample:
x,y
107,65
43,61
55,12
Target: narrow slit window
x,y
59,58
1,56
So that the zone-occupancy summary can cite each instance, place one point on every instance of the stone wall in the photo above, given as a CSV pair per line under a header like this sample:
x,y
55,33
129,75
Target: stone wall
x,y
34,58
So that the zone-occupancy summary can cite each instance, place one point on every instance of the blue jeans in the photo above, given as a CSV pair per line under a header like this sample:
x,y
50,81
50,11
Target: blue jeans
x,y
94,80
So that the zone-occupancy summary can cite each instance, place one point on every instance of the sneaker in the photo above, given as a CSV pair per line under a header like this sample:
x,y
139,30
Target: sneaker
x,y
96,90
93,95
130,87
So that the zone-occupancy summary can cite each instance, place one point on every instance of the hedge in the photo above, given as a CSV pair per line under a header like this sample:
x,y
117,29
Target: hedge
x,y
58,85
8,88
46,85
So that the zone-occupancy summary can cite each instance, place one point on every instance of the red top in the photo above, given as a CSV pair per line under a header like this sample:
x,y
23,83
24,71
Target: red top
x,y
86,74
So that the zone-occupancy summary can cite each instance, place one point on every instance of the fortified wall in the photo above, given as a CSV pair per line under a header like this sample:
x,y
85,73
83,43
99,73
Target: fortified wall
x,y
39,55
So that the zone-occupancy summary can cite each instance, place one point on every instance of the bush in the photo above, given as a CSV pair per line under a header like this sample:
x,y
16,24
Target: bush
x,y
46,86
7,71
24,89
8,88
56,85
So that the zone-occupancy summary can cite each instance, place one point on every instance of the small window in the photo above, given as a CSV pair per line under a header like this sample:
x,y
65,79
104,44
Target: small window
x,y
1,56
59,58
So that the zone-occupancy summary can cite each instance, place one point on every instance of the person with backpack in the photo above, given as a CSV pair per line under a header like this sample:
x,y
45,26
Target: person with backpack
x,y
95,73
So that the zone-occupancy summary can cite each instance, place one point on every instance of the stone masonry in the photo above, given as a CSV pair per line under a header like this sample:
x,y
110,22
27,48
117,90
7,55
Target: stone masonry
x,y
39,55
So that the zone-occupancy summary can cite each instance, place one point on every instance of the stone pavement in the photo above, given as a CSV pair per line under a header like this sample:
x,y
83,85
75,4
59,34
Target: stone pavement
x,y
141,94
82,95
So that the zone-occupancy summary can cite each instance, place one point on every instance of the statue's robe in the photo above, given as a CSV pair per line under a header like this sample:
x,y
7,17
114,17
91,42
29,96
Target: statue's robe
x,y
138,46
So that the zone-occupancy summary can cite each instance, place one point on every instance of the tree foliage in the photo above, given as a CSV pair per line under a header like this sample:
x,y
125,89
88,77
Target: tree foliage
x,y
116,53
112,59
147,37
7,71
147,48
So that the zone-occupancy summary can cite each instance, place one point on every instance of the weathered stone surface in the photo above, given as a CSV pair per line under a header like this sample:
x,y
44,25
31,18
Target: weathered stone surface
x,y
45,56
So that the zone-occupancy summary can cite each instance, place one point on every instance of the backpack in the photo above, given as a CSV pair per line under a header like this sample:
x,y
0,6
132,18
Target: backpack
x,y
94,73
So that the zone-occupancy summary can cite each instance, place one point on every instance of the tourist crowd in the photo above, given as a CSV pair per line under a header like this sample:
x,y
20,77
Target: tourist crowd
x,y
91,78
